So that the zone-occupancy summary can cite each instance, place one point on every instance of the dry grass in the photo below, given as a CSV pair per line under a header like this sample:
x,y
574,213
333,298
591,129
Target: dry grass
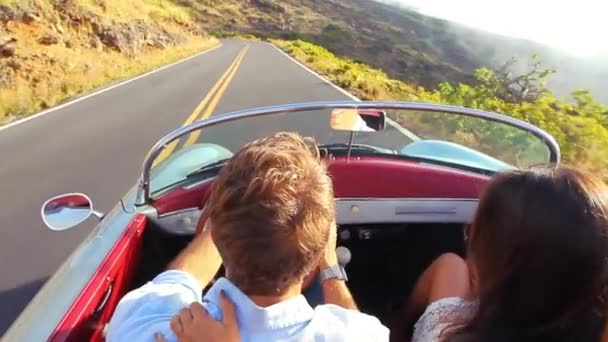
x,y
48,75
126,10
362,80
78,71
10,3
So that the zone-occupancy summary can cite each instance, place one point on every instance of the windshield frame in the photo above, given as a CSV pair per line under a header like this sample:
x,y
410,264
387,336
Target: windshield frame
x,y
143,189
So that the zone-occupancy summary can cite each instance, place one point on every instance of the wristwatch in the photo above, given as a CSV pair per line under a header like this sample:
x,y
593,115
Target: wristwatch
x,y
333,272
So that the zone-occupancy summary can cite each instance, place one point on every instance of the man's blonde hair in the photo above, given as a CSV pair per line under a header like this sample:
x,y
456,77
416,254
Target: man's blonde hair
x,y
271,210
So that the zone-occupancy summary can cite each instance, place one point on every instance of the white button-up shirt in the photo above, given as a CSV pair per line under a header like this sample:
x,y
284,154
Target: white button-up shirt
x,y
149,309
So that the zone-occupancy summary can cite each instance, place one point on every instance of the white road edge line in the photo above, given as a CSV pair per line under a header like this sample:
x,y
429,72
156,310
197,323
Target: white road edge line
x,y
351,96
106,89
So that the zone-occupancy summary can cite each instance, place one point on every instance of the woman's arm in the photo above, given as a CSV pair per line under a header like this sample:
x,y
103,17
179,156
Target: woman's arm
x,y
447,276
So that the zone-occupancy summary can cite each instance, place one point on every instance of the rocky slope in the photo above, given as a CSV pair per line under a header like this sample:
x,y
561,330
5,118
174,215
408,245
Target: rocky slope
x,y
407,45
50,50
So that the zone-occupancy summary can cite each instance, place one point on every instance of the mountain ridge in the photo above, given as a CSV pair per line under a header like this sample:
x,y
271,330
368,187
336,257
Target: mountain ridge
x,y
408,45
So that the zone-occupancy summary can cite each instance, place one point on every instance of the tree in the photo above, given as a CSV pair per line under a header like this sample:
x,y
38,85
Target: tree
x,y
585,104
513,87
580,126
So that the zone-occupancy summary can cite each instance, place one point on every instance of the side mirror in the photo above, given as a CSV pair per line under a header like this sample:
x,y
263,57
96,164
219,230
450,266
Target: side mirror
x,y
67,211
358,120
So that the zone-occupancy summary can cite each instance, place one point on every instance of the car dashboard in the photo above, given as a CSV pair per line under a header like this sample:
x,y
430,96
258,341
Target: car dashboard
x,y
367,190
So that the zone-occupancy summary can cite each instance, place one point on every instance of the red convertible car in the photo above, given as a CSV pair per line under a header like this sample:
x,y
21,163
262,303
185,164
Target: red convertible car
x,y
407,177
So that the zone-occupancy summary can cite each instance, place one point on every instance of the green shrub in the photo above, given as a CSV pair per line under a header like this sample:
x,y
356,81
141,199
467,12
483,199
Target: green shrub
x,y
580,127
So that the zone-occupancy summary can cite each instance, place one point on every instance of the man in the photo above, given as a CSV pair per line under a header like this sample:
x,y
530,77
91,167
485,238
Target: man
x,y
271,221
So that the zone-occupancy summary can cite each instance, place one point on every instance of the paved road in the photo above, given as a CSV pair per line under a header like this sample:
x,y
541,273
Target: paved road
x,y
97,145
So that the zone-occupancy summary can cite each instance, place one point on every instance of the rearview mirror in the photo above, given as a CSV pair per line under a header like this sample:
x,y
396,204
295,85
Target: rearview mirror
x,y
66,211
358,120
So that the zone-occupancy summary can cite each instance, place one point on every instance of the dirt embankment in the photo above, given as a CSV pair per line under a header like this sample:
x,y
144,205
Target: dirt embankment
x,y
52,50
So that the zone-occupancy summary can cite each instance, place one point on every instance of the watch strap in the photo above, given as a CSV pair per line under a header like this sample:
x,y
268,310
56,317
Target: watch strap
x,y
333,272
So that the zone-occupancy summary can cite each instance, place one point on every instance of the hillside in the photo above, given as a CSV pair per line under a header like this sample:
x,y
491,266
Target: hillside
x,y
580,127
407,45
51,50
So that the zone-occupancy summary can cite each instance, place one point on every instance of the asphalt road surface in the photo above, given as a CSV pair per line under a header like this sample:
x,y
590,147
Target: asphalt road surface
x,y
97,145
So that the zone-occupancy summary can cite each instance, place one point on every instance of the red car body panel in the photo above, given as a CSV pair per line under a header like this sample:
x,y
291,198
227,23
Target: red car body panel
x,y
364,178
181,198
396,178
116,271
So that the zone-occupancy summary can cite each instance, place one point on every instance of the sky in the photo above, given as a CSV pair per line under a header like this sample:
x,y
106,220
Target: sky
x,y
578,27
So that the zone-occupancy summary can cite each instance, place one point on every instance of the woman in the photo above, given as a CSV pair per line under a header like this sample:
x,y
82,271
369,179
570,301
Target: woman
x,y
536,268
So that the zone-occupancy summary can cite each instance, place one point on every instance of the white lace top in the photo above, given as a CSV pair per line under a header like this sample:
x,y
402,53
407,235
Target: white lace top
x,y
439,315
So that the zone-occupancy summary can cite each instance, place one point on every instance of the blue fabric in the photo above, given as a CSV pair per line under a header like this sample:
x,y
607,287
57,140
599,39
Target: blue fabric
x,y
149,309
314,294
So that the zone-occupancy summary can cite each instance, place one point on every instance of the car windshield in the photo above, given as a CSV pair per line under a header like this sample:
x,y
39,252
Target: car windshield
x,y
436,137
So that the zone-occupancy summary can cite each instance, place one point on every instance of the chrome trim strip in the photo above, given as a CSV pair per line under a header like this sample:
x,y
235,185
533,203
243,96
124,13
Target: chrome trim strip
x,y
405,210
143,193
381,210
194,185
178,212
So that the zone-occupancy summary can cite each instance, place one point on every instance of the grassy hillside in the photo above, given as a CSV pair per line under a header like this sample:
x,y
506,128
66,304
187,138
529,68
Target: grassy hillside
x,y
51,50
407,45
580,127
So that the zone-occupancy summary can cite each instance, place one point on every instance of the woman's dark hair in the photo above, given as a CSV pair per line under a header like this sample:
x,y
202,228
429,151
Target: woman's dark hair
x,y
538,252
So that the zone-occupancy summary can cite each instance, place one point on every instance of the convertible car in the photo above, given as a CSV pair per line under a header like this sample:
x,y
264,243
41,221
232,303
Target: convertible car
x,y
407,177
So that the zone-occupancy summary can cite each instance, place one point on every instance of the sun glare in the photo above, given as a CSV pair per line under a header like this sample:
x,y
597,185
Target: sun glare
x,y
574,27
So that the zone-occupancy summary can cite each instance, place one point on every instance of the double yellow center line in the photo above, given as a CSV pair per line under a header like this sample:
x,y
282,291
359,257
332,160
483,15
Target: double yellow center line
x,y
207,105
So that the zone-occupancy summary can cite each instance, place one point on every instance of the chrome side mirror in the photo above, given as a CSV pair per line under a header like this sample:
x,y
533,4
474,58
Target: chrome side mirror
x,y
67,211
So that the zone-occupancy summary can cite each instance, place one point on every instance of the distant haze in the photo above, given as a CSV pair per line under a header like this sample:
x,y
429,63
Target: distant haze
x,y
567,35
575,27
